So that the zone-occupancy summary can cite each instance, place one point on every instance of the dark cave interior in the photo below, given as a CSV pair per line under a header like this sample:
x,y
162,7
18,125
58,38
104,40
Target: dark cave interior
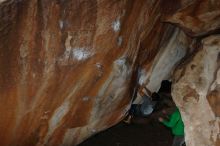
x,y
142,131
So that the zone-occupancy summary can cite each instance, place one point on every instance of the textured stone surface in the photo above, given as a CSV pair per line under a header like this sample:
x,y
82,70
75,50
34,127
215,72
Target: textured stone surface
x,y
197,17
196,92
170,52
69,68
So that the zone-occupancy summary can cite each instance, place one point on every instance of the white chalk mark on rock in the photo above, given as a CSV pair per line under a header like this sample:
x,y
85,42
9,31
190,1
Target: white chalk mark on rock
x,y
98,65
74,53
116,25
86,98
93,131
81,53
61,24
119,41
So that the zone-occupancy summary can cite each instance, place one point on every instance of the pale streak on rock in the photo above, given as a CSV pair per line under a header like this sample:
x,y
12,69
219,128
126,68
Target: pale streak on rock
x,y
59,113
69,136
25,62
1,1
165,61
119,41
142,77
61,23
68,47
48,69
115,85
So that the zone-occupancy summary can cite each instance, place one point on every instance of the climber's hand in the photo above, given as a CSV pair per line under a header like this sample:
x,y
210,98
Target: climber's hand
x,y
160,119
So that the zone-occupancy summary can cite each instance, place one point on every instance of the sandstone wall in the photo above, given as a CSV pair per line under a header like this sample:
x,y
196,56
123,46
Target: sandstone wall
x,y
69,68
196,93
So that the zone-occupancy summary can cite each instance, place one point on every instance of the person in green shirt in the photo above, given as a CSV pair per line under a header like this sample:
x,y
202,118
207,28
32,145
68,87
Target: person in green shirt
x,y
176,124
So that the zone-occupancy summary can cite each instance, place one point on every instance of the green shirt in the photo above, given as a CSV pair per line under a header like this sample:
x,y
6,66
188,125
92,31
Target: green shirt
x,y
175,123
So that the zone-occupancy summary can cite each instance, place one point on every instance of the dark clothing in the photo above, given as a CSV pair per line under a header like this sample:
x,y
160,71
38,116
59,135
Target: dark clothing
x,y
135,110
144,109
147,106
178,141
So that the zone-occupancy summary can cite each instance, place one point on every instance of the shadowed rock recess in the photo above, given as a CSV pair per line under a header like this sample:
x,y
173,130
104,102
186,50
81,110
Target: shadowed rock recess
x,y
69,68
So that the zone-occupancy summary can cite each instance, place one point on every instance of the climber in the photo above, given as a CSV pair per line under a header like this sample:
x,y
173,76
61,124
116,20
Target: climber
x,y
176,124
164,92
144,109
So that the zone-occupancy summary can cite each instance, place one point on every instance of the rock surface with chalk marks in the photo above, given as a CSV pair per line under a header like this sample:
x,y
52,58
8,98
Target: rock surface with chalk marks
x,y
69,68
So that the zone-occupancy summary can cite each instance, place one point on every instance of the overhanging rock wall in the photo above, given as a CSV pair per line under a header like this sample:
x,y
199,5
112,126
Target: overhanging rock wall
x,y
69,68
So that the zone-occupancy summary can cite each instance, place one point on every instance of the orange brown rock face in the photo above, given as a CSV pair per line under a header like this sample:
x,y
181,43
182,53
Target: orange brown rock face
x,y
69,68
197,17
66,68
